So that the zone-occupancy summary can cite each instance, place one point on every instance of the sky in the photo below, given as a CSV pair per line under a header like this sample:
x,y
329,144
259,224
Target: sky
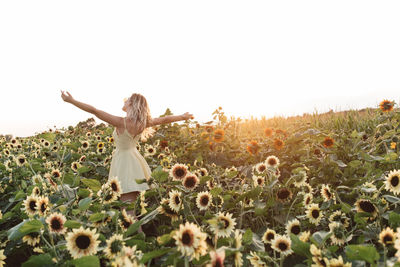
x,y
252,58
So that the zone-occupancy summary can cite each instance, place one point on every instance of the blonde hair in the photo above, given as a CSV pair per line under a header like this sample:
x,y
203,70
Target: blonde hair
x,y
138,111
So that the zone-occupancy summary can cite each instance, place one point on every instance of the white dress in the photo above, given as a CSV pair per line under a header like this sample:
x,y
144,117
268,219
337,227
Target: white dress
x,y
127,163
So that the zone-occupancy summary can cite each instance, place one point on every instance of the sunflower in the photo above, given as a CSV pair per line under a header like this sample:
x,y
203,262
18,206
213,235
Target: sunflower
x,y
100,150
305,236
126,220
320,262
203,200
110,139
278,144
293,227
82,242
272,161
253,147
326,193
31,239
283,194
21,160
100,145
37,178
364,205
260,167
392,182
268,236
338,216
75,166
190,181
300,179
313,213
393,145
219,135
55,173
202,172
36,191
115,186
175,201
163,144
210,183
386,105
166,210
31,205
282,244
258,180
387,237
2,258
190,240
328,142
268,132
46,144
150,151
338,237
114,247
178,171
85,145
255,260
338,262
56,222
223,224
43,205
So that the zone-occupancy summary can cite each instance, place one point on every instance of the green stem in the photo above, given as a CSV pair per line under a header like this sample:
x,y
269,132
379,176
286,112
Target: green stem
x,y
186,262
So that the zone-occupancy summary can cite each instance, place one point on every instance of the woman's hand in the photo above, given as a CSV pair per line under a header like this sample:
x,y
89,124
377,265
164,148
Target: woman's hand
x,y
187,116
67,98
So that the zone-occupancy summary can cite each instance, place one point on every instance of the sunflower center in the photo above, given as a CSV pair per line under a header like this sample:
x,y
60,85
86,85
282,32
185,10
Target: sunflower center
x,y
180,172
270,236
367,206
327,193
315,214
259,181
32,205
55,224
271,161
202,173
395,181
114,187
204,200
82,242
43,207
187,238
387,239
283,194
261,168
295,229
126,224
21,161
282,246
190,182
177,200
226,222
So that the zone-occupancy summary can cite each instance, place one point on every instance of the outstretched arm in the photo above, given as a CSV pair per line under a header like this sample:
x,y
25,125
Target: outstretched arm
x,y
171,118
102,115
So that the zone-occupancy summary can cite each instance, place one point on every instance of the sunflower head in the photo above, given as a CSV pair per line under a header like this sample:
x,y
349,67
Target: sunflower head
x,y
179,171
56,221
283,194
190,182
82,242
253,147
218,135
268,132
328,142
386,105
387,236
268,236
278,144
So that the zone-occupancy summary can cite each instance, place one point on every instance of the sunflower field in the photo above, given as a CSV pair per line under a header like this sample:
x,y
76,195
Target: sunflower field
x,y
311,190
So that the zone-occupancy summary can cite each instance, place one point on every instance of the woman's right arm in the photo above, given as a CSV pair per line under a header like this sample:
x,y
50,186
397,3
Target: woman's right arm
x,y
170,118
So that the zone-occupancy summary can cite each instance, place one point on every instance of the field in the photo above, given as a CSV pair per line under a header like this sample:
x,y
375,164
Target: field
x,y
311,190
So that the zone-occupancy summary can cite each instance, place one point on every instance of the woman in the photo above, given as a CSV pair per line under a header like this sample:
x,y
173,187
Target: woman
x,y
127,164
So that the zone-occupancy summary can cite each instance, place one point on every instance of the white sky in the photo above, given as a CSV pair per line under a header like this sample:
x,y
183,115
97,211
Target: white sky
x,y
250,57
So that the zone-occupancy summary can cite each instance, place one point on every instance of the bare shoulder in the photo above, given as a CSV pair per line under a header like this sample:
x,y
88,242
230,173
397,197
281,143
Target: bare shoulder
x,y
130,127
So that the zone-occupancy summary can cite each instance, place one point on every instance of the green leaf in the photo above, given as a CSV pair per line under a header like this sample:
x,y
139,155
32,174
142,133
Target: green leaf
x,y
392,199
24,228
41,260
154,254
216,191
247,236
362,252
394,219
87,261
72,224
135,226
84,169
96,217
159,175
320,237
92,184
300,247
346,208
48,136
84,203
